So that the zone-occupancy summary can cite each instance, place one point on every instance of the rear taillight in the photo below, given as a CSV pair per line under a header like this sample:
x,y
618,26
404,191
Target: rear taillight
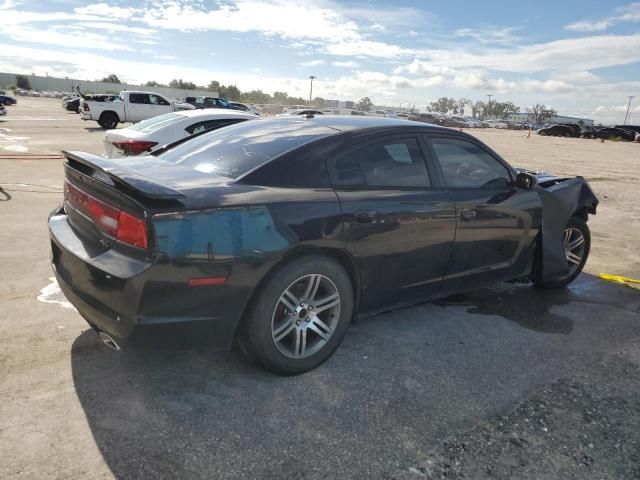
x,y
134,147
132,230
114,222
85,106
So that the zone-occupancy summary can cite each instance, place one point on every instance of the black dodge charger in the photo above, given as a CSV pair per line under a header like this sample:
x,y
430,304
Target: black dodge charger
x,y
275,234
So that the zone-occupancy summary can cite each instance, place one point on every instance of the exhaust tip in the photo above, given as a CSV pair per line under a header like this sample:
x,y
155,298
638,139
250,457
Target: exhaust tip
x,y
109,341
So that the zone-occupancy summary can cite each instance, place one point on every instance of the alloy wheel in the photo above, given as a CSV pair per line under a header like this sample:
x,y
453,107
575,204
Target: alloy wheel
x,y
574,245
306,316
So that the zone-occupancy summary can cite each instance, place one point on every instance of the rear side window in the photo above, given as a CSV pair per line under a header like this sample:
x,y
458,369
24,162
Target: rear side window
x,y
237,149
142,98
466,165
391,163
210,125
156,123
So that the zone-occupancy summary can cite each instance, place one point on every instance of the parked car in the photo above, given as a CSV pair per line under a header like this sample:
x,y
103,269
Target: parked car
x,y
614,133
6,100
383,113
72,104
301,112
129,106
454,123
433,118
156,132
244,108
633,128
213,102
560,131
274,233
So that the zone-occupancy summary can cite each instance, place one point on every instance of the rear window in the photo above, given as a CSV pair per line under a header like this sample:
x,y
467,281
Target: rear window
x,y
156,123
233,151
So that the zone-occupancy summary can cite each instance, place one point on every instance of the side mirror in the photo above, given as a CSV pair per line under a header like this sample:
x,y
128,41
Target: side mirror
x,y
526,181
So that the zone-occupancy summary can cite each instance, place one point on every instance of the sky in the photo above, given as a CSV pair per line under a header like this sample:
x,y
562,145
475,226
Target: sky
x,y
580,57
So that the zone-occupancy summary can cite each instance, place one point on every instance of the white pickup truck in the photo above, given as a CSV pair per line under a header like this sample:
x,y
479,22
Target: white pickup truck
x,y
129,106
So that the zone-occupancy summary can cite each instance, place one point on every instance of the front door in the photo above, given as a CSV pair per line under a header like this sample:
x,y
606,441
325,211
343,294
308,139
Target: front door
x,y
399,226
496,223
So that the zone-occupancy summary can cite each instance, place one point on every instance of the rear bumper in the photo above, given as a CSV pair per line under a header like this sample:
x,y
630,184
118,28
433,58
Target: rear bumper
x,y
142,302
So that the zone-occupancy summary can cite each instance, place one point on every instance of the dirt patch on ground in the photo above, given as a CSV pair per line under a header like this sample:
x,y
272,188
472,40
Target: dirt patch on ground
x,y
586,427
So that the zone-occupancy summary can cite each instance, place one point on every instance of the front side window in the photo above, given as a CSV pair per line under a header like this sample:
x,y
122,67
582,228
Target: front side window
x,y
465,165
142,98
157,100
391,163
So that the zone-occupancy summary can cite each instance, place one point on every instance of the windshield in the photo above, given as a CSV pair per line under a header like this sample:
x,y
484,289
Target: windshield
x,y
237,149
156,123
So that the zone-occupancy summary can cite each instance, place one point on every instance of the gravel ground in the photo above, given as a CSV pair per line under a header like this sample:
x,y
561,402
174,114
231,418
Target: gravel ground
x,y
582,427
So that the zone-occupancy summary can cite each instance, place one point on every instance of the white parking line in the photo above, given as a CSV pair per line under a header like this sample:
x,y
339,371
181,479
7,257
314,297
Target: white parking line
x,y
52,294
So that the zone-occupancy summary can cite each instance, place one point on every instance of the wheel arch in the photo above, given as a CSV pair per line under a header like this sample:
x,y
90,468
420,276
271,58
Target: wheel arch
x,y
344,259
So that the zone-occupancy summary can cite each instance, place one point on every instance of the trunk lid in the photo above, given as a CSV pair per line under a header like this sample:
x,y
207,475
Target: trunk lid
x,y
109,206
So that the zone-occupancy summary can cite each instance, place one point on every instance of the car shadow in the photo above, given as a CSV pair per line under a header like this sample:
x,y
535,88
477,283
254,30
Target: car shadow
x,y
399,384
95,129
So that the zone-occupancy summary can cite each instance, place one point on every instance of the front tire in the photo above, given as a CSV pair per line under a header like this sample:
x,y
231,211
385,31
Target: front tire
x,y
577,243
300,316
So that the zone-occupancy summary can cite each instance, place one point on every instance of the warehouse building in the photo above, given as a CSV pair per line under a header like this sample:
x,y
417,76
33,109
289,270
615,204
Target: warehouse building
x,y
530,117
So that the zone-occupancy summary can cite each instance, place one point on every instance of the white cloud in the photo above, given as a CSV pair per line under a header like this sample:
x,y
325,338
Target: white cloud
x,y
491,34
588,26
420,67
346,64
285,18
572,54
113,27
62,37
312,63
629,13
366,48
105,10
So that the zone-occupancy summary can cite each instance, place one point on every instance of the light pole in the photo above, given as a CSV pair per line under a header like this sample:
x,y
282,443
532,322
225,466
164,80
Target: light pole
x,y
489,103
631,97
311,77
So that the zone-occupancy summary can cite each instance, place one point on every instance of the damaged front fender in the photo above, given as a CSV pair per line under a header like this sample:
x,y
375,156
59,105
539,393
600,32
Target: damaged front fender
x,y
561,199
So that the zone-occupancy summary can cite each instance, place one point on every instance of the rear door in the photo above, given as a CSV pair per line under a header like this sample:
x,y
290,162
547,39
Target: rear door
x,y
496,222
137,107
399,225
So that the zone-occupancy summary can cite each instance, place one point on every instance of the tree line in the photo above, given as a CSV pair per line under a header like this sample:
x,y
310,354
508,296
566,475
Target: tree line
x,y
493,109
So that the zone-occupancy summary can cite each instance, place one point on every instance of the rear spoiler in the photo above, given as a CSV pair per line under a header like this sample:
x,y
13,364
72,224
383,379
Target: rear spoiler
x,y
113,174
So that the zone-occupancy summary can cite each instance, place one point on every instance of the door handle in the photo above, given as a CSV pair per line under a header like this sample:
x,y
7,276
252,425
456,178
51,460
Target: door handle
x,y
468,214
366,216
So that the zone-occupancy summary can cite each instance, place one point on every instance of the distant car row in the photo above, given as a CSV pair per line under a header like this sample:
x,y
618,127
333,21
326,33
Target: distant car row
x,y
34,93
627,133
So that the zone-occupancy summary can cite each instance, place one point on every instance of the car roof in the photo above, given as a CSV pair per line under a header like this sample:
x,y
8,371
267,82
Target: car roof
x,y
215,113
344,123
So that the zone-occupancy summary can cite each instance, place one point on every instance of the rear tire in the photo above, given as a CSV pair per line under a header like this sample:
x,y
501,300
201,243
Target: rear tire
x,y
577,245
108,120
299,317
